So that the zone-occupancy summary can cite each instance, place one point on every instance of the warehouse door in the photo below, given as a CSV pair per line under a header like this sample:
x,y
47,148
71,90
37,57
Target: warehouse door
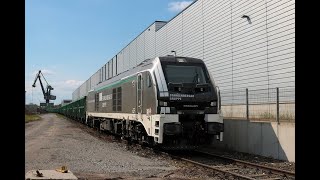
x,y
139,95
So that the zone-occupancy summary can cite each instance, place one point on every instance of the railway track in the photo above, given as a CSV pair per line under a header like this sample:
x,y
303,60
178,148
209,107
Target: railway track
x,y
234,167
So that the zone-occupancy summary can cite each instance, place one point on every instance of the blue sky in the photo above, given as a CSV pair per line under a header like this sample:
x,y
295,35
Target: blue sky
x,y
69,40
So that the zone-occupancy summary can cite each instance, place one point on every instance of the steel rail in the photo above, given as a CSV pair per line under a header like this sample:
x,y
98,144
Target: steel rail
x,y
274,170
212,167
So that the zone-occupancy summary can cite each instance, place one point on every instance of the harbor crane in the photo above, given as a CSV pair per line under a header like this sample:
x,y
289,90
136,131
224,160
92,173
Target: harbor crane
x,y
46,94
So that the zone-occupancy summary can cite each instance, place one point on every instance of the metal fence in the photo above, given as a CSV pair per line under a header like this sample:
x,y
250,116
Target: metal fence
x,y
274,104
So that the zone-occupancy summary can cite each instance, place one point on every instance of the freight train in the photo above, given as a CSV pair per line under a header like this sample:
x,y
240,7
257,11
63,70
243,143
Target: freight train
x,y
170,102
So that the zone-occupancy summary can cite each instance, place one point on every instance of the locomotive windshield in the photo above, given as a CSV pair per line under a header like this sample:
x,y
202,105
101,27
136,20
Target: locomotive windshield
x,y
185,74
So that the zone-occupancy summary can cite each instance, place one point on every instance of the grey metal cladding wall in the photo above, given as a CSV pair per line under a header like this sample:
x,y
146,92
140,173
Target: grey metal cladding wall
x,y
75,94
106,71
133,53
95,79
91,83
249,45
174,35
87,86
102,73
114,64
130,60
192,31
140,48
161,39
217,50
120,62
110,68
150,37
281,43
127,58
83,89
238,54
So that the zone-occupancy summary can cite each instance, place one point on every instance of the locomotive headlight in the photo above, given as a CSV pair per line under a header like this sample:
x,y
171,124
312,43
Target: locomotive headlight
x,y
163,103
213,103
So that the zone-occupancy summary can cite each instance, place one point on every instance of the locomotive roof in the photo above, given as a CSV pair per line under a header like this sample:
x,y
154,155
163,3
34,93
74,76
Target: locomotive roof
x,y
174,59
144,65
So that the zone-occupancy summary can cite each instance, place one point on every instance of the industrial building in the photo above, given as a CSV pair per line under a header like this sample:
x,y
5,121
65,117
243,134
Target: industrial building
x,y
245,44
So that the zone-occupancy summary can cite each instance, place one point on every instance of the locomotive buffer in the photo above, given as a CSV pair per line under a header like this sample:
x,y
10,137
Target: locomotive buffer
x,y
46,94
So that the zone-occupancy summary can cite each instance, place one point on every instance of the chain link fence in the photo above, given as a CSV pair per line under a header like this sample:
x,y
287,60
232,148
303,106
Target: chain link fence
x,y
274,104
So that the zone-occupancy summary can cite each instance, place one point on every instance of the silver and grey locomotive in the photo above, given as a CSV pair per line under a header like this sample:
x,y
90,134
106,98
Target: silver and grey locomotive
x,y
169,101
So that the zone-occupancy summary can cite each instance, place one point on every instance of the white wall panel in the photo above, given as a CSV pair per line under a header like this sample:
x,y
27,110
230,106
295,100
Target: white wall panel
x,y
174,36
140,48
161,45
133,53
192,31
217,38
110,69
120,62
126,58
114,66
150,38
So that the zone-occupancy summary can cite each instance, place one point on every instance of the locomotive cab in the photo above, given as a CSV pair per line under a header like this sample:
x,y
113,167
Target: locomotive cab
x,y
189,93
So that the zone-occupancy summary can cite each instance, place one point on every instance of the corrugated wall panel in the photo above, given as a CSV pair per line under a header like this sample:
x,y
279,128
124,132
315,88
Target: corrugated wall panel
x,y
217,50
76,94
192,31
133,53
87,86
124,58
281,44
106,71
120,62
114,66
91,83
161,45
174,35
110,68
249,44
102,74
140,48
95,79
150,49
83,89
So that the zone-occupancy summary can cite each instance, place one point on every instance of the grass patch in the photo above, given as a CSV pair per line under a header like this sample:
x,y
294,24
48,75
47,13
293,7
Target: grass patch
x,y
29,118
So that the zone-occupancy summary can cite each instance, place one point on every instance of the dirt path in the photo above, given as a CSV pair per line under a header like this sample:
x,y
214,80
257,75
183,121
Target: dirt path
x,y
53,142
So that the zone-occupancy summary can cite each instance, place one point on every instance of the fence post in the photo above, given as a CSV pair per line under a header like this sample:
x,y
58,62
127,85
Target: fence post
x,y
247,103
278,119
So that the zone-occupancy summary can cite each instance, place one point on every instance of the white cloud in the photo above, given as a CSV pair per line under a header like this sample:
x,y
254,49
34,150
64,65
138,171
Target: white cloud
x,y
69,85
44,72
178,6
